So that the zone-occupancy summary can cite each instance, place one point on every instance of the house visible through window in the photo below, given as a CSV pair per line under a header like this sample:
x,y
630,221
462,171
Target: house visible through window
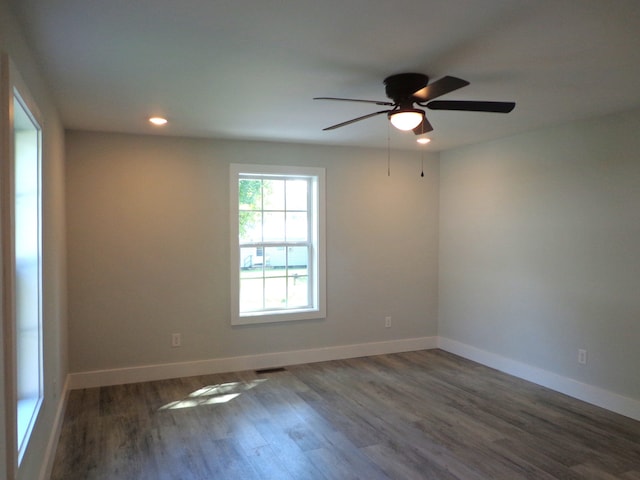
x,y
277,243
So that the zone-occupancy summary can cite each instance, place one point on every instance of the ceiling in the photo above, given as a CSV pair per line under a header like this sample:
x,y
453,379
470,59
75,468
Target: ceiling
x,y
248,69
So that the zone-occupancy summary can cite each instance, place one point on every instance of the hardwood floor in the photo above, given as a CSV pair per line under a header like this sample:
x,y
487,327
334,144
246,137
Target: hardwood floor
x,y
417,415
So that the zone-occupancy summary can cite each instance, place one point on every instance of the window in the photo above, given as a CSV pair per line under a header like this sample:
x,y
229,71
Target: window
x,y
21,252
277,243
28,270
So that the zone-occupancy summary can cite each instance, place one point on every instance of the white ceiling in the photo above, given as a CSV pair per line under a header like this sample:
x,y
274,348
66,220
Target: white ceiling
x,y
248,69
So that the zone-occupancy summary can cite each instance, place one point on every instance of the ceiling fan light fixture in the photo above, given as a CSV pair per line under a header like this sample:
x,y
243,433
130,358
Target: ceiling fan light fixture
x,y
406,119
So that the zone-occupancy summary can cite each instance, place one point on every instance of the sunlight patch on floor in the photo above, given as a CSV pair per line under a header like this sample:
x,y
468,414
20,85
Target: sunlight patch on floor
x,y
213,394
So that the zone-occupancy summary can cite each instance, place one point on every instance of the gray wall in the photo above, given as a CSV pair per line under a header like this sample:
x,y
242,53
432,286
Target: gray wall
x,y
54,264
539,256
148,233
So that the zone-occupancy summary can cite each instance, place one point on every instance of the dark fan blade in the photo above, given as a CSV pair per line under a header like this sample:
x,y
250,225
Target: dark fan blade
x,y
377,102
472,106
354,120
439,87
424,127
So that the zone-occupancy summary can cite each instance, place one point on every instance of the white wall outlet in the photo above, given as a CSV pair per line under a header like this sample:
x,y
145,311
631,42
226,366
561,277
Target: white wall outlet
x,y
387,322
582,356
176,340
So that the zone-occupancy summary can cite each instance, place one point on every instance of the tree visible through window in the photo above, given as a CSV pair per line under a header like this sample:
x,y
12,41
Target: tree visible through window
x,y
277,248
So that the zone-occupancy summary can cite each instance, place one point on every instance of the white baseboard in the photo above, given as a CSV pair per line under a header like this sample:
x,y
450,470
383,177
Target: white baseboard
x,y
100,378
54,435
588,393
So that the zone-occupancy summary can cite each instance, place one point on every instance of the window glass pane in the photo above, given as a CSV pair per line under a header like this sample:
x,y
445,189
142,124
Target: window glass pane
x,y
298,259
251,295
250,227
274,272
276,261
297,194
28,292
297,227
249,194
275,292
273,229
298,291
273,191
251,258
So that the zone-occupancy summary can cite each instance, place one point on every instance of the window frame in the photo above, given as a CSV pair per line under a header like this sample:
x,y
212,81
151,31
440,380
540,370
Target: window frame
x,y
316,220
14,89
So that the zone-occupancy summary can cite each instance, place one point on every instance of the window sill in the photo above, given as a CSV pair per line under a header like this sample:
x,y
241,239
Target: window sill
x,y
276,317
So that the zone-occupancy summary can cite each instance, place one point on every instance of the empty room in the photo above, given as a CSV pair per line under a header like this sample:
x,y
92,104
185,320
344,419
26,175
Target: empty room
x,y
320,239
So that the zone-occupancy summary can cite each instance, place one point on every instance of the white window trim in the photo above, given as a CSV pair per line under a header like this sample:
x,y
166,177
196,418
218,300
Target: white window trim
x,y
11,84
319,271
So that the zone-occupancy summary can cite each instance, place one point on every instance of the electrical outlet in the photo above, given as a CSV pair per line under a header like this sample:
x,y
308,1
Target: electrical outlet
x,y
582,356
176,340
387,322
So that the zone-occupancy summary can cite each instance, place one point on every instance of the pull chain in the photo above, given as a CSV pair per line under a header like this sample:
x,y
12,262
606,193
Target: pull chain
x,y
388,150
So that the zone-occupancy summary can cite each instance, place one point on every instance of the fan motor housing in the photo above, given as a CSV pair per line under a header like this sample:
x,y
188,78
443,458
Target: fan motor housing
x,y
402,86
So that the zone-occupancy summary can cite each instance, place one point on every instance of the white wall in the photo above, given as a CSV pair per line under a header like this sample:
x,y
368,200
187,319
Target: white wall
x,y
539,250
54,262
148,236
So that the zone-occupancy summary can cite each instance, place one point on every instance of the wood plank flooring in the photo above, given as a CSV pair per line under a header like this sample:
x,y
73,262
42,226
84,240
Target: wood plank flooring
x,y
416,415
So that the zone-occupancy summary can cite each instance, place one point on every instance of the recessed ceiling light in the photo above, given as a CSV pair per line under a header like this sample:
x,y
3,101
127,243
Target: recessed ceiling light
x,y
158,121
423,140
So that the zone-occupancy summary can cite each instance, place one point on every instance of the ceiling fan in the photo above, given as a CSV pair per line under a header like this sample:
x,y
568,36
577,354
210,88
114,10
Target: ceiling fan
x,y
407,89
